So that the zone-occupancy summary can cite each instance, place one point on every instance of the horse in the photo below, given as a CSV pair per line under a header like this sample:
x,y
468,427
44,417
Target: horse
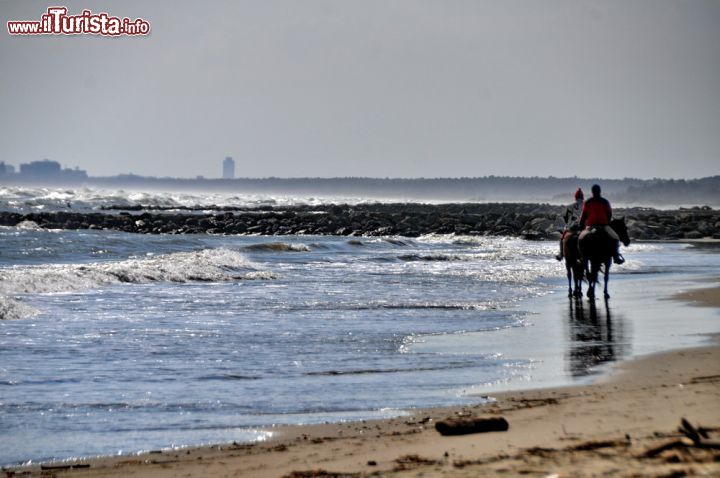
x,y
573,263
597,249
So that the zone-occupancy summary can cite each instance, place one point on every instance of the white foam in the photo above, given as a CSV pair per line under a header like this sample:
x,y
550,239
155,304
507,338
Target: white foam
x,y
26,199
11,309
28,226
207,265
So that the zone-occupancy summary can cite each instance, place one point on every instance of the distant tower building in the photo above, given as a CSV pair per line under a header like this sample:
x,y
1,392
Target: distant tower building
x,y
40,169
229,168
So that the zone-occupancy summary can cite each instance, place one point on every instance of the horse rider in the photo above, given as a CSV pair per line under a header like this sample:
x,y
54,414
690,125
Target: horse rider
x,y
572,219
597,213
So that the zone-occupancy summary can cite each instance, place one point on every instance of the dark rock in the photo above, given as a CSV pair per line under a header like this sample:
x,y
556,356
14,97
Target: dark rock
x,y
465,426
533,221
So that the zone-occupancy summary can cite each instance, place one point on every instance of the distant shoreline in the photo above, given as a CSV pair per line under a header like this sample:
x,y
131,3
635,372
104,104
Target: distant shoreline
x,y
661,192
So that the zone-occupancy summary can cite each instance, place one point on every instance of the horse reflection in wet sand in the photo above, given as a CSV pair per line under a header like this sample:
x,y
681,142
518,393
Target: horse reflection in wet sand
x,y
597,249
595,339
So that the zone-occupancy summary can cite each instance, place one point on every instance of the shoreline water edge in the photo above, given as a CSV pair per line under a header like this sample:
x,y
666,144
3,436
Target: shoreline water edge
x,y
611,423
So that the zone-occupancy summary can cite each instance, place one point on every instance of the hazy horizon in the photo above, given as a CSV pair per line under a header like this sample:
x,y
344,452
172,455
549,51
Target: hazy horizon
x,y
404,89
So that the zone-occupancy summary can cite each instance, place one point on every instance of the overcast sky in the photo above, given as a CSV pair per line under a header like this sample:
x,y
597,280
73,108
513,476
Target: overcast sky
x,y
398,88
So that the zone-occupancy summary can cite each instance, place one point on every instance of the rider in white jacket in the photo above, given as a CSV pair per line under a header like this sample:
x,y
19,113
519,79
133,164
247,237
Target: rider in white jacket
x,y
572,219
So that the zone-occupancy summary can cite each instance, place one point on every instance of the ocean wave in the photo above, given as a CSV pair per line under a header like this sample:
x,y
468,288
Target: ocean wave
x,y
34,199
398,242
228,376
277,247
11,309
319,305
207,265
28,225
324,373
430,305
433,257
460,240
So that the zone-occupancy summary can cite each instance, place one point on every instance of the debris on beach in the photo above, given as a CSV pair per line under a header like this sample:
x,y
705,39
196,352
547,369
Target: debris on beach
x,y
61,467
465,426
693,438
320,474
409,462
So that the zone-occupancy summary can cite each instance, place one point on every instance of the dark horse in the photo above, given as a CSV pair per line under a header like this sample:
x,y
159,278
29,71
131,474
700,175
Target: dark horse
x,y
597,249
573,263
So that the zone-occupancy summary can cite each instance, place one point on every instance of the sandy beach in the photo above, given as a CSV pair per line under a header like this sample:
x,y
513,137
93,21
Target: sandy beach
x,y
625,424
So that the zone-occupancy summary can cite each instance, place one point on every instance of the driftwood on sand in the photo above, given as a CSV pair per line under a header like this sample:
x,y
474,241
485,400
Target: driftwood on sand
x,y
464,426
694,437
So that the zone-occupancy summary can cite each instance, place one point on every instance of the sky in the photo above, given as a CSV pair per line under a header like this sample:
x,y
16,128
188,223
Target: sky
x,y
377,88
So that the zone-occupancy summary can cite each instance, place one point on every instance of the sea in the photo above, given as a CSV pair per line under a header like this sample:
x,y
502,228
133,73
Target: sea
x,y
117,343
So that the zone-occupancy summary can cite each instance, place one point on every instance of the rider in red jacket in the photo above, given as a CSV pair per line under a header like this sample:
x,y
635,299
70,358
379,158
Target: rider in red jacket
x,y
597,213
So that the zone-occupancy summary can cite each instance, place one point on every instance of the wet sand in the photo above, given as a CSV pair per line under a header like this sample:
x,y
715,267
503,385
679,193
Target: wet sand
x,y
616,426
605,428
705,297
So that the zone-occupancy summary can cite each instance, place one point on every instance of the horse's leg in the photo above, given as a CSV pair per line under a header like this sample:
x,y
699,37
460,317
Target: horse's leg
x,y
577,273
607,277
596,276
592,279
578,282
574,274
564,251
569,276
572,258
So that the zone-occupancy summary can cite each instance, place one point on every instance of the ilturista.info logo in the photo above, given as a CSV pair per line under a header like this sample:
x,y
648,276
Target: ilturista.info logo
x,y
56,21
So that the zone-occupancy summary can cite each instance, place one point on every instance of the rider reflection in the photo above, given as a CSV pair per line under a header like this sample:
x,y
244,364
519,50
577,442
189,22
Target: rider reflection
x,y
595,338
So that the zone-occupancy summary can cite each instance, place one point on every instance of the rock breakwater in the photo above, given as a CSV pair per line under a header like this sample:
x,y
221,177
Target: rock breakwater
x,y
533,221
